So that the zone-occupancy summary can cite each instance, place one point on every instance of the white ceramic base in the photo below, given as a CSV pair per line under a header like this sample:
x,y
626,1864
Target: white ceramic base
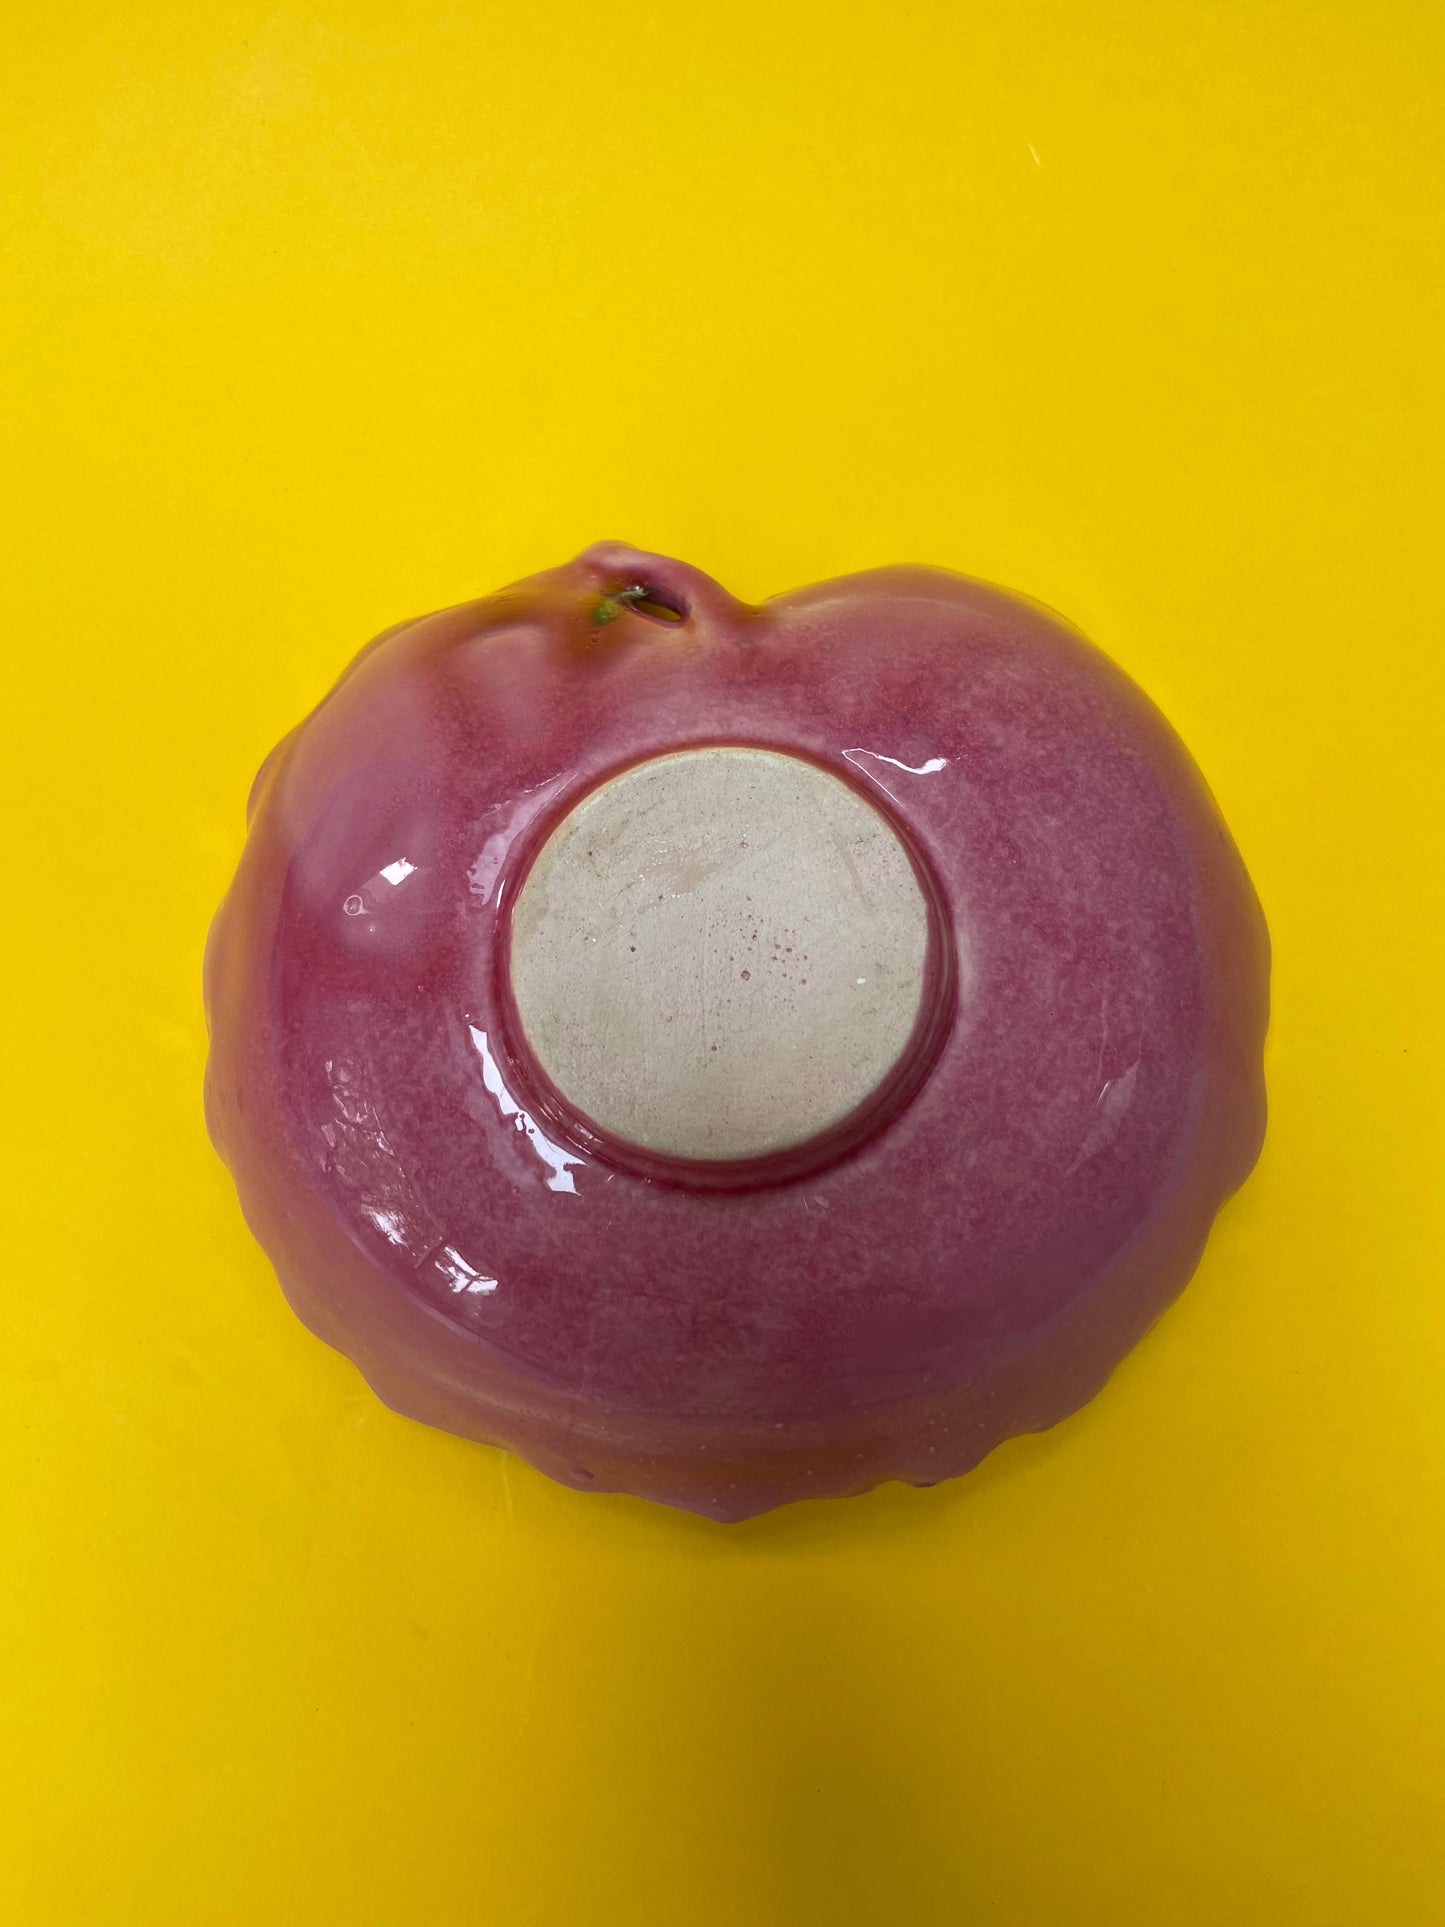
x,y
719,953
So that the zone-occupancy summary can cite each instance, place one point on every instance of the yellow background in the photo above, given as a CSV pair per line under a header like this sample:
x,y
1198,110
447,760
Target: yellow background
x,y
319,315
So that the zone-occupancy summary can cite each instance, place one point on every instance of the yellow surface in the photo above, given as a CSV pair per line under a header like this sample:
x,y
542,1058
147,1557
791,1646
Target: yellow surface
x,y
317,316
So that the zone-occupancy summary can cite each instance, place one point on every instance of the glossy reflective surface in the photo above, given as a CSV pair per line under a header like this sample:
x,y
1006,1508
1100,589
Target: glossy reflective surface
x,y
965,1257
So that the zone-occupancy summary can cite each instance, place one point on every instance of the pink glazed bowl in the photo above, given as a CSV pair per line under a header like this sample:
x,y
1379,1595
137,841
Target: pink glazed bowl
x,y
735,1054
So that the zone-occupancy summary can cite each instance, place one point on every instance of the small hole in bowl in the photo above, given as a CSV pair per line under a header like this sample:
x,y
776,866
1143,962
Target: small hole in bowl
x,y
646,601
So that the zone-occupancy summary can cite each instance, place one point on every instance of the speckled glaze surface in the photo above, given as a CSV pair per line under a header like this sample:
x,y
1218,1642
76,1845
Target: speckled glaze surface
x,y
965,1259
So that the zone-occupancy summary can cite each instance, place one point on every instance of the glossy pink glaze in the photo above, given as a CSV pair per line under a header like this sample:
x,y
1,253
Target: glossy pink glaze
x,y
973,1268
